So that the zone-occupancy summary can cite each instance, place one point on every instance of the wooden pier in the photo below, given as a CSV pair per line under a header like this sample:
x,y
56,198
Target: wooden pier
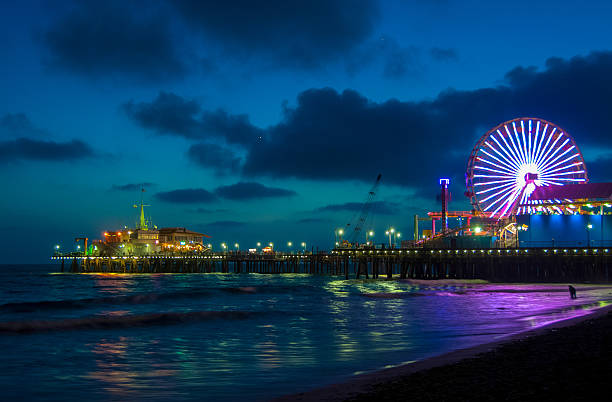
x,y
496,265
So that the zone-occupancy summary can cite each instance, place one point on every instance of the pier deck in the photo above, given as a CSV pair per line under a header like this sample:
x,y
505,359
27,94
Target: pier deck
x,y
498,265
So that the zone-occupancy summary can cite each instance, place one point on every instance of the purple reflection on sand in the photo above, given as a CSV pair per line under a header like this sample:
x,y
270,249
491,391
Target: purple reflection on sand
x,y
529,306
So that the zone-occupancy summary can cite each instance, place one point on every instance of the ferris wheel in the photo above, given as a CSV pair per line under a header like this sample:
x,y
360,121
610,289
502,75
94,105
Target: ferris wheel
x,y
510,161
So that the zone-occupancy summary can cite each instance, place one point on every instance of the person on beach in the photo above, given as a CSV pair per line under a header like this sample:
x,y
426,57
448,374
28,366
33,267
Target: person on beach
x,y
572,291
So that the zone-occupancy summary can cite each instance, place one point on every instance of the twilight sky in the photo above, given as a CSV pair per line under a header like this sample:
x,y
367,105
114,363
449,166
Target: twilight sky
x,y
269,121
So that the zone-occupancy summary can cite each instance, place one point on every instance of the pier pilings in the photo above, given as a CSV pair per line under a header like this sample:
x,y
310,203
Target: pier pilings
x,y
496,265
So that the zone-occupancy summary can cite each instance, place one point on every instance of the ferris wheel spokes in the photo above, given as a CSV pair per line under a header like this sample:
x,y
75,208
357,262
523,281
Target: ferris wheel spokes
x,y
513,159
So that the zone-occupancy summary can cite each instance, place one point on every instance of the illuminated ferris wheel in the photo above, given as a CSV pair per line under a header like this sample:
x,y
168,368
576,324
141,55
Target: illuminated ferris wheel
x,y
510,161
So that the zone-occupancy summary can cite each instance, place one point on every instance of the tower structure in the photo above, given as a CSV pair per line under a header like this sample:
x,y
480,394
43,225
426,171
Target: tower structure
x,y
444,198
143,222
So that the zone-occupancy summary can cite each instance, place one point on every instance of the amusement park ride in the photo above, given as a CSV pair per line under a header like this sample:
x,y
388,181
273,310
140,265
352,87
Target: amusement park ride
x,y
524,166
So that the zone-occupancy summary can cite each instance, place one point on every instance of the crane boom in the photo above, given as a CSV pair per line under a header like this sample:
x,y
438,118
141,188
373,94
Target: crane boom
x,y
354,235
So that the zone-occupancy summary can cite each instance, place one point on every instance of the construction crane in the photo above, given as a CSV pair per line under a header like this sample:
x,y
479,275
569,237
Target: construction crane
x,y
354,229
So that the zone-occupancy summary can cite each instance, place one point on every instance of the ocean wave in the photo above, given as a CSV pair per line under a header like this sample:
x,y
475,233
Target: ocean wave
x,y
126,321
267,289
140,298
395,295
242,289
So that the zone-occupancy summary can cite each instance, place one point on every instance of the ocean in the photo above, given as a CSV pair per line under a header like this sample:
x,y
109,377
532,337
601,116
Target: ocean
x,y
226,337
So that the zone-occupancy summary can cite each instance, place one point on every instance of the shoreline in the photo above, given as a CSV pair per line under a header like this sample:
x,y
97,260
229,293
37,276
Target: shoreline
x,y
367,384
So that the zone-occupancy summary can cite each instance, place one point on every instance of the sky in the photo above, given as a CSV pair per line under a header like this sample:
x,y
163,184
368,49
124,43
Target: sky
x,y
270,121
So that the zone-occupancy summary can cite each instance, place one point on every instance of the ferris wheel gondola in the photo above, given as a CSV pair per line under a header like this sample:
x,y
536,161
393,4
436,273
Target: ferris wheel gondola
x,y
510,161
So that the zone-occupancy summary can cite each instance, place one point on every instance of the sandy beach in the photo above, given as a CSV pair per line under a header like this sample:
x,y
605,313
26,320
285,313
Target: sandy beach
x,y
569,360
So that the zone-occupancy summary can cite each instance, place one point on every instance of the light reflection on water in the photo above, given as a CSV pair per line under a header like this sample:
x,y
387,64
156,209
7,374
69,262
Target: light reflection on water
x,y
306,331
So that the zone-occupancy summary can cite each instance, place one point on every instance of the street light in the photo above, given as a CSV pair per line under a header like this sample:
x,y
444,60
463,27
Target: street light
x,y
258,244
304,246
340,233
369,235
588,230
390,233
237,246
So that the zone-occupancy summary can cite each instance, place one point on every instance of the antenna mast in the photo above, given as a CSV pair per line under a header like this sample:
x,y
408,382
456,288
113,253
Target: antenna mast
x,y
143,223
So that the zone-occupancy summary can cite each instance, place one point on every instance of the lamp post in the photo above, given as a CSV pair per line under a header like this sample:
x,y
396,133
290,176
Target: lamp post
x,y
369,235
339,234
237,247
390,232
588,230
289,245
304,246
224,247
398,235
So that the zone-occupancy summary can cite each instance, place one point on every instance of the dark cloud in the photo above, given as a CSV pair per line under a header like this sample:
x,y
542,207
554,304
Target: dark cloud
x,y
239,192
187,196
207,210
331,135
109,38
346,136
131,186
302,34
250,190
15,125
222,225
396,61
222,159
378,207
15,122
25,141
171,114
29,149
235,129
400,61
440,54
167,114
600,169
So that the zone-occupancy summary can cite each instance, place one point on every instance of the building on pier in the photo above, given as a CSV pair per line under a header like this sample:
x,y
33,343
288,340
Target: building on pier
x,y
146,239
181,239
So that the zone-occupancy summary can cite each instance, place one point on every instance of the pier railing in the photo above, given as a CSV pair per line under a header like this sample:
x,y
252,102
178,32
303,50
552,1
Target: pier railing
x,y
587,264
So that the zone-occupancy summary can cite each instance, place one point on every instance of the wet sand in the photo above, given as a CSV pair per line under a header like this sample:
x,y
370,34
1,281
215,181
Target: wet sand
x,y
567,360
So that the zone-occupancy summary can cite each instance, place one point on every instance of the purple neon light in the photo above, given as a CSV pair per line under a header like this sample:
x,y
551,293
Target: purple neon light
x,y
516,158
